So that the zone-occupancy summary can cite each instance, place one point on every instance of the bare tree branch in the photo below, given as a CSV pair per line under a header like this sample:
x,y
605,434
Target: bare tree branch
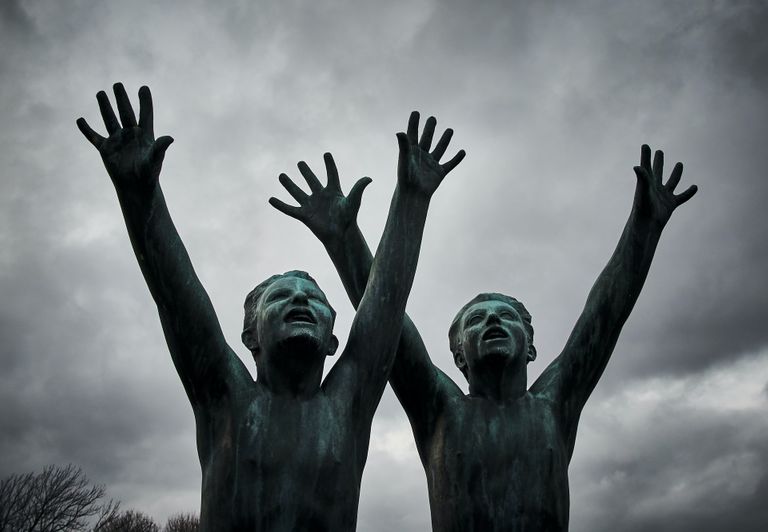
x,y
58,499
182,523
129,521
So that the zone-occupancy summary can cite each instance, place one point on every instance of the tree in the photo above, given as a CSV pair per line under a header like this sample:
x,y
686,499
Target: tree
x,y
58,499
182,523
129,521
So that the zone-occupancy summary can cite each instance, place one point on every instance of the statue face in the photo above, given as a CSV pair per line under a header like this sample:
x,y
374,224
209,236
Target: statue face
x,y
295,314
493,329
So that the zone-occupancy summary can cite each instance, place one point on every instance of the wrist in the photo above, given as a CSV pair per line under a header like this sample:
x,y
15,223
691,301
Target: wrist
x,y
338,241
135,194
412,194
646,224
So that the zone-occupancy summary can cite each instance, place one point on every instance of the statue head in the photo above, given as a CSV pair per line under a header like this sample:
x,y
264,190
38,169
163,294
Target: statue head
x,y
491,325
288,315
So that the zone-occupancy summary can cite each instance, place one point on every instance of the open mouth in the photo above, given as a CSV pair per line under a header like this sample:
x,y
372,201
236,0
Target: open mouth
x,y
300,315
494,333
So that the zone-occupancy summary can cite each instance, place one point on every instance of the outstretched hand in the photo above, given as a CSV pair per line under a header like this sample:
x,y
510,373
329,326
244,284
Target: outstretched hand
x,y
655,200
131,154
325,210
417,168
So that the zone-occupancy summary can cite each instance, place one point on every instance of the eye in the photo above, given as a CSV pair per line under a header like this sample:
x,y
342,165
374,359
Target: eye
x,y
507,315
278,295
474,320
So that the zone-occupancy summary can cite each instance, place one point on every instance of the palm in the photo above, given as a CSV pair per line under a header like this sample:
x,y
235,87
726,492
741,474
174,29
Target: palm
x,y
127,152
131,155
328,213
325,210
654,199
417,168
422,170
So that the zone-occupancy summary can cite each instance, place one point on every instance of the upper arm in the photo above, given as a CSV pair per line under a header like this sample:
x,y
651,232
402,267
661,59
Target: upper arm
x,y
208,367
570,379
420,386
375,332
204,361
359,377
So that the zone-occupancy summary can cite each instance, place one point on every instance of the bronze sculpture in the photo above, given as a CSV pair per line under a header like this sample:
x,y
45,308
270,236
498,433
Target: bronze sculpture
x,y
496,459
286,452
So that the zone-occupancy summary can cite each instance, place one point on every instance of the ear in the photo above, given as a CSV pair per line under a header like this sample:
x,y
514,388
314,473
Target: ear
x,y
249,339
334,345
460,361
531,353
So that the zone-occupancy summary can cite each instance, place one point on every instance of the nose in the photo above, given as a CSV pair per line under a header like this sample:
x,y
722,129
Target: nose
x,y
300,297
493,319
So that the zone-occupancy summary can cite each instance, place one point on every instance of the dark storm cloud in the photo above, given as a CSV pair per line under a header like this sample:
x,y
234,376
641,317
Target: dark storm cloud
x,y
62,396
75,317
678,453
15,21
719,312
738,48
654,75
551,101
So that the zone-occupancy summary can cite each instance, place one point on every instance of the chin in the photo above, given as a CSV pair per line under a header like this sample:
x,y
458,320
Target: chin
x,y
498,351
500,356
301,339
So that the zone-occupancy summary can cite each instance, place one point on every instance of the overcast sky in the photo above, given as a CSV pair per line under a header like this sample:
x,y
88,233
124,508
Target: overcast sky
x,y
550,100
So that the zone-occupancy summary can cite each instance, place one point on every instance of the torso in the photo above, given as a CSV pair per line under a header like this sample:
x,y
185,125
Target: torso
x,y
274,464
494,467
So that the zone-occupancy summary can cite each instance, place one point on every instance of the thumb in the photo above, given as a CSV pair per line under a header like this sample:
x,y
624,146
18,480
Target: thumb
x,y
404,155
642,174
402,142
158,148
356,194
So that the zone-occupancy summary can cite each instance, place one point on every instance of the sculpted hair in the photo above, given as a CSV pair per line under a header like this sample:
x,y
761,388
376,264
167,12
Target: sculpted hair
x,y
454,332
252,299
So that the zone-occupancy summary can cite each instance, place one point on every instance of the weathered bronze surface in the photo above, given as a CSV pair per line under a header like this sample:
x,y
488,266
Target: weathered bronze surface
x,y
284,453
496,459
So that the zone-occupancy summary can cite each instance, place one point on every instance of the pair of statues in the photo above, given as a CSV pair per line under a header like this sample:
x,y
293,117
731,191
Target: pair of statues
x,y
286,452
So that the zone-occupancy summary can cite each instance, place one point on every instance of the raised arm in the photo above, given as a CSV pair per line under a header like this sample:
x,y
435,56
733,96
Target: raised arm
x,y
419,385
373,338
133,159
570,379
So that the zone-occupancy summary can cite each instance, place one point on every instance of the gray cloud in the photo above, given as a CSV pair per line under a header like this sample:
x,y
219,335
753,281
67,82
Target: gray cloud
x,y
677,453
551,101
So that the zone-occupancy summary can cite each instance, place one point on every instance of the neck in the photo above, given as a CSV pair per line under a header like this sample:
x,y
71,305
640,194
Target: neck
x,y
499,380
300,379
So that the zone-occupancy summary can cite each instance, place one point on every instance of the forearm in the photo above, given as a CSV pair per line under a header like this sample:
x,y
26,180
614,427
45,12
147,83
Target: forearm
x,y
380,314
205,363
618,286
414,378
353,260
394,266
608,306
573,375
164,261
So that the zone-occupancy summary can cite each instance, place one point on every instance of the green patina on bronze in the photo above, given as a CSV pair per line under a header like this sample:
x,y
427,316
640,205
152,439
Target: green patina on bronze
x,y
496,459
284,453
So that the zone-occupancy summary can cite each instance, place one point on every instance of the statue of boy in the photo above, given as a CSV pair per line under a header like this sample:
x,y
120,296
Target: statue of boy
x,y
497,459
286,452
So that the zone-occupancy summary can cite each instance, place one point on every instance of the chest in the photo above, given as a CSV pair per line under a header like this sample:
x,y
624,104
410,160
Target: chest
x,y
498,468
477,442
280,465
289,439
